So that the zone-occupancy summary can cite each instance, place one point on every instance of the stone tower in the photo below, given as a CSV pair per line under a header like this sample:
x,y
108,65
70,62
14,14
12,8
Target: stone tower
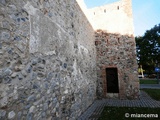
x,y
116,57
114,18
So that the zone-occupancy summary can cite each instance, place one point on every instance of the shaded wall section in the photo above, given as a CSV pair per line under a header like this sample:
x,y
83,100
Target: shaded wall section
x,y
47,60
117,51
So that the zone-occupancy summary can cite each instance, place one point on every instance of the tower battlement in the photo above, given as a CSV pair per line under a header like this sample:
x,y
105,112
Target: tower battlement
x,y
114,18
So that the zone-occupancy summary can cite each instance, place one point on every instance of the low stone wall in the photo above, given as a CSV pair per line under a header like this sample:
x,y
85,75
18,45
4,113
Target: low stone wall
x,y
117,51
47,60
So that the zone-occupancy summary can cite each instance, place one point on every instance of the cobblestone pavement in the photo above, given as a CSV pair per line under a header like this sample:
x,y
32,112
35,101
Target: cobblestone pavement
x,y
94,111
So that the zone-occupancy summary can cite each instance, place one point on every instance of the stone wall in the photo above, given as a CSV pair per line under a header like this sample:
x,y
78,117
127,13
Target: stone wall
x,y
47,60
49,65
117,51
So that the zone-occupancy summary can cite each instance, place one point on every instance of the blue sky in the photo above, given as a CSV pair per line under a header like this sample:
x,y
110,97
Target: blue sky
x,y
146,13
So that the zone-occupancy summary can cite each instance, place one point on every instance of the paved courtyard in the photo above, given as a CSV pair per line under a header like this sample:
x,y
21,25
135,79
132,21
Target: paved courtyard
x,y
94,111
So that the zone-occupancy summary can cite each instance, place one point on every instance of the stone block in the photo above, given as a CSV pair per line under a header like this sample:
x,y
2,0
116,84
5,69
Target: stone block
x,y
11,115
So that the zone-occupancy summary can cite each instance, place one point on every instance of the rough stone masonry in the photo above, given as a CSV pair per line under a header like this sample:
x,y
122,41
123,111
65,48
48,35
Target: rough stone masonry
x,y
49,60
116,49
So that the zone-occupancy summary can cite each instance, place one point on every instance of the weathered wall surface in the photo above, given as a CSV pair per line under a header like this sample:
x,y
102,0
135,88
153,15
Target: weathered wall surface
x,y
115,17
116,48
47,60
117,51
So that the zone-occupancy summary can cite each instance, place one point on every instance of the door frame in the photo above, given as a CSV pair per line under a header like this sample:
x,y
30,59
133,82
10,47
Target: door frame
x,y
105,80
117,84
